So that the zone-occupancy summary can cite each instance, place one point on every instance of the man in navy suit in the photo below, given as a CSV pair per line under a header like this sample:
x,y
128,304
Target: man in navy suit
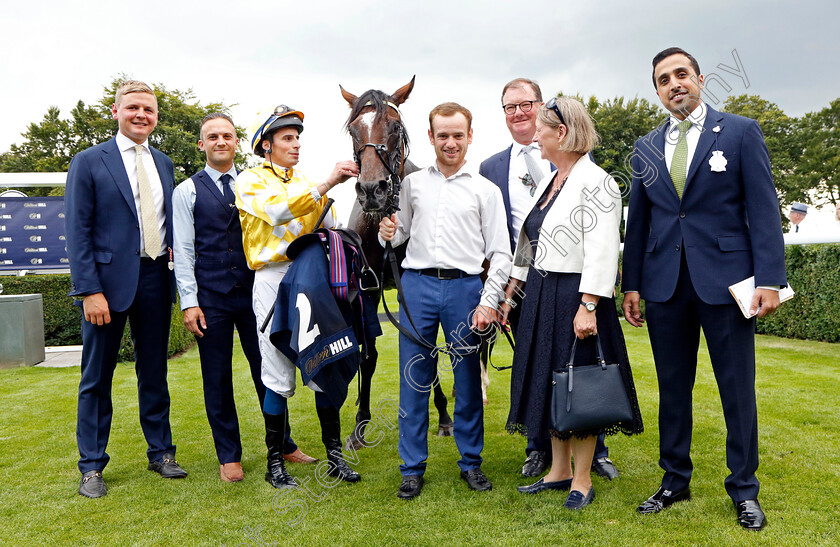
x,y
119,236
703,215
512,173
215,284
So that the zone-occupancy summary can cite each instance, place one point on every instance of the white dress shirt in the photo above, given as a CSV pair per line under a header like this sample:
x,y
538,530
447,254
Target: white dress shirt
x,y
129,157
455,222
183,244
521,200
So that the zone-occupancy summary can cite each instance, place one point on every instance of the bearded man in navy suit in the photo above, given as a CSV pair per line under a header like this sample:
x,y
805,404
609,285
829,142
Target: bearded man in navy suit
x,y
119,237
703,215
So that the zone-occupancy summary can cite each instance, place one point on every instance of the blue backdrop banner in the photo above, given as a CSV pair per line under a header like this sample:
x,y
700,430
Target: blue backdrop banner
x,y
32,234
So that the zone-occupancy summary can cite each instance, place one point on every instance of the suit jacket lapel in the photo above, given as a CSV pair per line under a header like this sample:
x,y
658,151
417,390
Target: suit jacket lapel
x,y
707,138
112,158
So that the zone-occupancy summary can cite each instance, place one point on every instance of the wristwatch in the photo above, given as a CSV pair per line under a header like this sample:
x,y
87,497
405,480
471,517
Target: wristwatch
x,y
590,306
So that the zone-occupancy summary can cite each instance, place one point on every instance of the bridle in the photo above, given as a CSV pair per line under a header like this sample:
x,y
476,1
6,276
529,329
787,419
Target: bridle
x,y
391,161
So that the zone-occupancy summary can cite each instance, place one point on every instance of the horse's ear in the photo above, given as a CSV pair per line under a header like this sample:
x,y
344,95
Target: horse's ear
x,y
401,95
349,97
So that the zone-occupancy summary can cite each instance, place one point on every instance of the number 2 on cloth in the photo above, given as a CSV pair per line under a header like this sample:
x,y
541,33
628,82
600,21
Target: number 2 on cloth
x,y
305,335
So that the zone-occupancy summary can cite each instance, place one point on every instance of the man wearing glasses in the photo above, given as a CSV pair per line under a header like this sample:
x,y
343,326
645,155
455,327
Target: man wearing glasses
x,y
517,170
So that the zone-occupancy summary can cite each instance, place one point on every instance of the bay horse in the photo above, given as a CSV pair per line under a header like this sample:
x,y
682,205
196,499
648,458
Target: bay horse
x,y
380,147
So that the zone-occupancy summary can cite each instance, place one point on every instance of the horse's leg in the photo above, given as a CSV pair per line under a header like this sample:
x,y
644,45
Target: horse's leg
x,y
366,369
445,424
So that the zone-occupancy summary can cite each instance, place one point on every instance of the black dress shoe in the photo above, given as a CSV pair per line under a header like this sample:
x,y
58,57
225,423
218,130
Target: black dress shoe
x,y
663,499
92,485
604,467
410,487
477,480
535,464
168,467
541,485
750,515
577,501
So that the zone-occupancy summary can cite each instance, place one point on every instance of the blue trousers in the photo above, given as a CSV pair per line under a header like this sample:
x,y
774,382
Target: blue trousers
x,y
149,317
221,313
448,303
674,328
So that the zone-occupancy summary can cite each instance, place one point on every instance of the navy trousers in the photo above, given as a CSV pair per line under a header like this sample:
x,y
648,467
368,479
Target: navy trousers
x,y
149,318
223,312
448,303
674,328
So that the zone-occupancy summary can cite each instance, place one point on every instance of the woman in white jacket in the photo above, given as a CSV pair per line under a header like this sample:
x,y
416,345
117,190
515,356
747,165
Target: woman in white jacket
x,y
566,262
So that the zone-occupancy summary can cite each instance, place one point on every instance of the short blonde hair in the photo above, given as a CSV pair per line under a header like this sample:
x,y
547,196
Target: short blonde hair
x,y
581,136
132,86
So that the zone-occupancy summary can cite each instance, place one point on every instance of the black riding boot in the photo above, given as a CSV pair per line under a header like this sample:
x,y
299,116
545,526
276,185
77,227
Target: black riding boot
x,y
275,438
331,435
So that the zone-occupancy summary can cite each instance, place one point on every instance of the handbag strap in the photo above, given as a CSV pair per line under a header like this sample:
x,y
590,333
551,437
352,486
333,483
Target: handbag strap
x,y
571,366
599,354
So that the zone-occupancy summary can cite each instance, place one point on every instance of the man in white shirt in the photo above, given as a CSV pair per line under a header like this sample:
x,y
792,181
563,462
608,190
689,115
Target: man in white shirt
x,y
119,235
455,220
703,216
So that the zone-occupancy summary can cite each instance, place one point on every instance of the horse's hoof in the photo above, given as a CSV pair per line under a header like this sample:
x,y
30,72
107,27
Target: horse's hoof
x,y
445,430
354,444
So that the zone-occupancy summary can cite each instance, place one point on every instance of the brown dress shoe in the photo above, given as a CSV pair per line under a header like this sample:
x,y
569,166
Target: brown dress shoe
x,y
231,472
299,457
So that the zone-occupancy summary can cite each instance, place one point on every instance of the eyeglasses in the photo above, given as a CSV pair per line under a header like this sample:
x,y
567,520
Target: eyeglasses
x,y
529,181
524,106
552,104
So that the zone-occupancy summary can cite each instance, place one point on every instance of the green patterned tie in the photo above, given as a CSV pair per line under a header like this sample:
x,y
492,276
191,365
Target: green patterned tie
x,y
678,162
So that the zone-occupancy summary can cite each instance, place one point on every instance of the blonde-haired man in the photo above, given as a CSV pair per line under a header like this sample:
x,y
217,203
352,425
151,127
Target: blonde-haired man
x,y
119,238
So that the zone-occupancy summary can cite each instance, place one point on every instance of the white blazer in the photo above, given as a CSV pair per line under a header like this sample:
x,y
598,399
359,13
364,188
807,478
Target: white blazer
x,y
580,231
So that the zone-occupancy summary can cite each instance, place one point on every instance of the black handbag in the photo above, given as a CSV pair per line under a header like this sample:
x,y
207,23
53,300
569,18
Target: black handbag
x,y
589,396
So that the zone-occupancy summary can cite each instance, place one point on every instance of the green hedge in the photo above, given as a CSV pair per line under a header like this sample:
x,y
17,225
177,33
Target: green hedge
x,y
814,312
62,320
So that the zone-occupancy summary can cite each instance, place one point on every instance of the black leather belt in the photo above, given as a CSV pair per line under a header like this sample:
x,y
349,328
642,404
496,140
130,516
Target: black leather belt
x,y
440,273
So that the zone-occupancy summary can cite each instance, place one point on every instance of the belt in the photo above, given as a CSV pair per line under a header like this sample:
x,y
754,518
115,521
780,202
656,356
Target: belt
x,y
441,273
150,260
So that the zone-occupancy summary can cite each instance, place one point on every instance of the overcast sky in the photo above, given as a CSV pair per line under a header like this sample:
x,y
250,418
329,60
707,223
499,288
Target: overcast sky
x,y
260,54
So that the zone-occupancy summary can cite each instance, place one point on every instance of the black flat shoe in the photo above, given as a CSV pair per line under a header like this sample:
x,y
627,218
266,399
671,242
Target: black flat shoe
x,y
168,467
663,499
477,480
577,501
541,485
410,487
750,515
92,485
604,467
535,464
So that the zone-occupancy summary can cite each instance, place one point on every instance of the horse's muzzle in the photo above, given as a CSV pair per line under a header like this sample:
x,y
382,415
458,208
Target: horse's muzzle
x,y
372,195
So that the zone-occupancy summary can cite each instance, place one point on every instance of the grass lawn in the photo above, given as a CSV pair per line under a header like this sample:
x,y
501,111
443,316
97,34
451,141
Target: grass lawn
x,y
798,385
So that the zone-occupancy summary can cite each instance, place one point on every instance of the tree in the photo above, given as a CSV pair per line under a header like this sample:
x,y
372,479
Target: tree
x,y
620,124
782,134
49,146
819,162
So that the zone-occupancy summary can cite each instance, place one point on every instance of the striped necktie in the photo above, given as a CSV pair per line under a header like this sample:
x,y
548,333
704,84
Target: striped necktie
x,y
148,212
678,162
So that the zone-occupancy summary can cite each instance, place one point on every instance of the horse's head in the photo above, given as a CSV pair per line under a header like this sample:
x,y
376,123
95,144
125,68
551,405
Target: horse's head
x,y
380,146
